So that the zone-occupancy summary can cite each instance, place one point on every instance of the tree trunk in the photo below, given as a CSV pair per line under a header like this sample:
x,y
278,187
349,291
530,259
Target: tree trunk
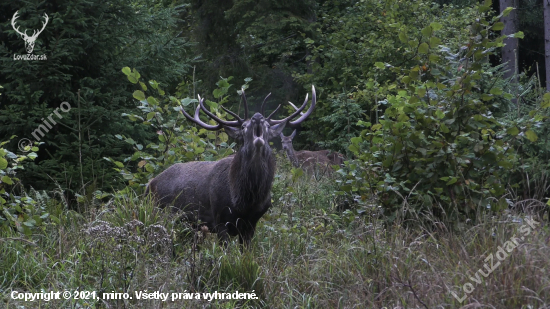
x,y
546,5
509,52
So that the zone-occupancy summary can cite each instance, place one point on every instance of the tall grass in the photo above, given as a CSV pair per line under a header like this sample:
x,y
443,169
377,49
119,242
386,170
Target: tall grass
x,y
307,253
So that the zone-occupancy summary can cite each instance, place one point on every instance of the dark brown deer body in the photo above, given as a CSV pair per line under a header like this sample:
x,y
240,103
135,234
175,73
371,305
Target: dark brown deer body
x,y
229,196
310,160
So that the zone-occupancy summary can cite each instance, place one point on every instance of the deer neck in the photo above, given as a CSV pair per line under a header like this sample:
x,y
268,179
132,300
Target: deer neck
x,y
250,177
291,154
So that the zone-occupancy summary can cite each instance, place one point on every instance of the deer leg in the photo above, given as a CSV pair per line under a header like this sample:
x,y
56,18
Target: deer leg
x,y
245,237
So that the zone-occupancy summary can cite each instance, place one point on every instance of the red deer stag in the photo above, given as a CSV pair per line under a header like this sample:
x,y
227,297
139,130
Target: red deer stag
x,y
228,196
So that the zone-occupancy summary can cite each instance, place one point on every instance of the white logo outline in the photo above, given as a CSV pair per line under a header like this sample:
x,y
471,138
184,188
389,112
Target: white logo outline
x,y
29,40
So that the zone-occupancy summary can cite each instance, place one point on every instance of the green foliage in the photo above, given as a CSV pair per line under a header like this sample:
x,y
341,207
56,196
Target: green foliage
x,y
178,139
86,43
263,39
439,145
21,213
355,36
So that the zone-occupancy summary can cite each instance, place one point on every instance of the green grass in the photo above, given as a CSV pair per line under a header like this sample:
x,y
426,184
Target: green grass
x,y
306,254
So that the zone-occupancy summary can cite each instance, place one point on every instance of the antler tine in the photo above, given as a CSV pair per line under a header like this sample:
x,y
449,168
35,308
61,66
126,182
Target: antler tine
x,y
234,123
273,113
13,23
296,108
263,103
303,116
245,104
233,114
44,24
294,124
197,120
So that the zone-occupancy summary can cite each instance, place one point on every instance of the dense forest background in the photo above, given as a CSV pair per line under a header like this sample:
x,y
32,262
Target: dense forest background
x,y
366,59
440,107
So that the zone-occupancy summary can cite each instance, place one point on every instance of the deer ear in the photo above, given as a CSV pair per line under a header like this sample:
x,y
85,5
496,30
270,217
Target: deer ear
x,y
281,135
233,132
293,134
277,130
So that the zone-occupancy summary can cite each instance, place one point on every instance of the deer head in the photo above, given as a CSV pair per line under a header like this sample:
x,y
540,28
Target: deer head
x,y
29,40
255,131
287,141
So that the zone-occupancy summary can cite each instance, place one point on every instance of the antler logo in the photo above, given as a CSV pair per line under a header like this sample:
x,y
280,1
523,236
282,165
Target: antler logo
x,y
29,40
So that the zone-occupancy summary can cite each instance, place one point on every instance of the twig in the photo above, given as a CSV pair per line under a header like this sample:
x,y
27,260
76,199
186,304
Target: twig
x,y
414,293
20,239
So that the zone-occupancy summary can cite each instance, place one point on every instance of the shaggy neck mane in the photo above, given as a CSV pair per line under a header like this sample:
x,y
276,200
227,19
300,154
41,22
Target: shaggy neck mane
x,y
250,177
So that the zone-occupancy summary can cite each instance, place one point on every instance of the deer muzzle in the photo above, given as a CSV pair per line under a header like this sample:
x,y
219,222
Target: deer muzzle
x,y
258,134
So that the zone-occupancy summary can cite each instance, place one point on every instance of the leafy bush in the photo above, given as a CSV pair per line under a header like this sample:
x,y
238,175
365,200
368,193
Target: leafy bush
x,y
351,37
438,144
19,212
178,139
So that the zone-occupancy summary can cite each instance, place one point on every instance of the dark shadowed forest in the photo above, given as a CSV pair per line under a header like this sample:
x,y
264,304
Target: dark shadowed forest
x,y
275,154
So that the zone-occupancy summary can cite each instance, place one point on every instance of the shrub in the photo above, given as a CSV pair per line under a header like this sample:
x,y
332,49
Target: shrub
x,y
439,145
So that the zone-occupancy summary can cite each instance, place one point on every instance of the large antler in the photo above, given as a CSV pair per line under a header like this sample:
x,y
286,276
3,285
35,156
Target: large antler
x,y
43,26
196,119
13,24
293,124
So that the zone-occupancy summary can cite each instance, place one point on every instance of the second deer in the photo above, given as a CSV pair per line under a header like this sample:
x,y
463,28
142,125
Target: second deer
x,y
310,160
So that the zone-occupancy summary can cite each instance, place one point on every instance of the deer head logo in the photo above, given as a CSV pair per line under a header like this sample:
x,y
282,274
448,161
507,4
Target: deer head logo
x,y
29,40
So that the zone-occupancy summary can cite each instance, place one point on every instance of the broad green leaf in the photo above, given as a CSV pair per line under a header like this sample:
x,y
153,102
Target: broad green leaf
x,y
452,181
423,48
217,93
506,11
513,131
545,100
379,65
356,140
6,179
403,37
498,26
518,35
211,104
436,26
427,31
143,86
152,101
496,91
139,95
126,71
434,42
434,58
421,92
3,163
150,115
132,79
187,101
532,136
